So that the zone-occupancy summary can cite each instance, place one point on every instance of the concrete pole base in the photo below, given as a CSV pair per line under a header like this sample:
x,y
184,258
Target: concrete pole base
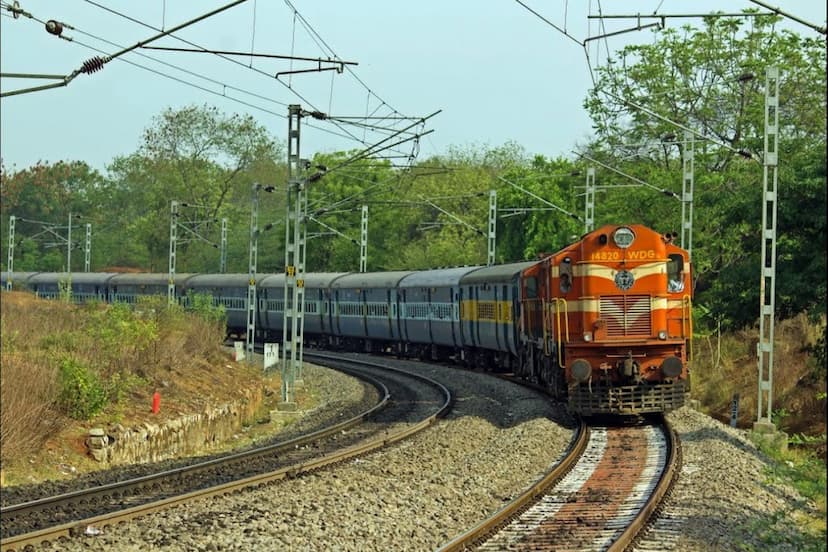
x,y
765,433
286,406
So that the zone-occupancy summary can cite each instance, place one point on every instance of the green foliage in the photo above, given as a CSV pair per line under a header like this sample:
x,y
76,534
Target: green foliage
x,y
205,160
801,439
45,192
806,473
82,394
9,339
202,305
119,384
820,354
65,290
778,416
120,335
692,77
68,341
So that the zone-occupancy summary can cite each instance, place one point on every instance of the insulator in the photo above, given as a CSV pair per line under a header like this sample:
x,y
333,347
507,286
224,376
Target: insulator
x,y
54,27
93,64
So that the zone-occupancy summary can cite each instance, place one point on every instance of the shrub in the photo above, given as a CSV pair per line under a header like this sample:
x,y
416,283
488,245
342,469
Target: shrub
x,y
202,305
120,338
82,395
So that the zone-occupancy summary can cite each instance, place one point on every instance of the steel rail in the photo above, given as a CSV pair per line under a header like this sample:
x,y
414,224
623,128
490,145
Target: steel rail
x,y
78,527
136,483
665,485
514,508
634,530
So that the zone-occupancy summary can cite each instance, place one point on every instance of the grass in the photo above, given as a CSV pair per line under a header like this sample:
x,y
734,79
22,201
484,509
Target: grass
x,y
131,354
727,364
805,528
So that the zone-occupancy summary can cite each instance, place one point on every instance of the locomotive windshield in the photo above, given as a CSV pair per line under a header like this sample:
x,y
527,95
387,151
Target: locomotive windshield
x,y
675,274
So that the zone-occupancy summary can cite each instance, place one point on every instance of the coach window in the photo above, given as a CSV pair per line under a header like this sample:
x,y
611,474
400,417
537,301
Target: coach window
x,y
565,271
675,273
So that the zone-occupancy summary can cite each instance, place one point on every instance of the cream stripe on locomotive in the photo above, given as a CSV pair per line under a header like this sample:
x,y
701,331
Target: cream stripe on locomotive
x,y
593,304
592,270
608,273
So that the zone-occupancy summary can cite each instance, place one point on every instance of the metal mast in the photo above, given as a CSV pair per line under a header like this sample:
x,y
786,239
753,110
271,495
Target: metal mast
x,y
173,238
363,240
87,248
299,290
251,281
69,246
490,256
223,260
10,262
589,214
688,164
767,286
294,261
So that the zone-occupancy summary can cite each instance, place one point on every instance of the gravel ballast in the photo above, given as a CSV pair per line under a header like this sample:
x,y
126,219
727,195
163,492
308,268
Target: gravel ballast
x,y
724,499
423,492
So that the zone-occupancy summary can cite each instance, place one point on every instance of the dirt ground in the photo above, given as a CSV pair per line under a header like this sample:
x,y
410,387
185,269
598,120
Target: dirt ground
x,y
65,454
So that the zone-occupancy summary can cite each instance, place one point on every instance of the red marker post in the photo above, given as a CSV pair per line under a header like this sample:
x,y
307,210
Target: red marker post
x,y
156,402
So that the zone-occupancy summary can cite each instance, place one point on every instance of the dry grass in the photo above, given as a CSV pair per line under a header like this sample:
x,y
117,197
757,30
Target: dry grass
x,y
727,364
175,353
29,412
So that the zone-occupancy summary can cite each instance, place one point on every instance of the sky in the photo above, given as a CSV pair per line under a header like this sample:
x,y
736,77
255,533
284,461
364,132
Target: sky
x,y
492,71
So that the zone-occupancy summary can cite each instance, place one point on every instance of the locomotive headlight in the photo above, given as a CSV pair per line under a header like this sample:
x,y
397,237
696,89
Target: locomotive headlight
x,y
587,336
662,335
623,237
581,370
671,367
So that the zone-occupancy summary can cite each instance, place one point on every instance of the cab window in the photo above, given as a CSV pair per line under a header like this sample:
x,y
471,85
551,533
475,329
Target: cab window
x,y
565,271
675,273
531,287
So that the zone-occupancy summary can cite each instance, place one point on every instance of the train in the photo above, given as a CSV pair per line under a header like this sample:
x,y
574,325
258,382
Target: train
x,y
604,324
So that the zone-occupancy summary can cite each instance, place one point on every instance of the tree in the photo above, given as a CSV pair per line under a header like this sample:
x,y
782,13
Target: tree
x,y
206,160
46,193
712,80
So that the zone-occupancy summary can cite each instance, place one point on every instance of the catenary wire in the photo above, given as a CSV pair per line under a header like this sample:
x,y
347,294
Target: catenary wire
x,y
226,58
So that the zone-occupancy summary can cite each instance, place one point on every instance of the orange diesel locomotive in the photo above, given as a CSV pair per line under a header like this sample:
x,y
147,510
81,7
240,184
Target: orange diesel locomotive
x,y
607,322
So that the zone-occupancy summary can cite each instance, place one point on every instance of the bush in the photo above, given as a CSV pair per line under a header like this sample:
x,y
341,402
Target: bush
x,y
82,395
120,337
202,305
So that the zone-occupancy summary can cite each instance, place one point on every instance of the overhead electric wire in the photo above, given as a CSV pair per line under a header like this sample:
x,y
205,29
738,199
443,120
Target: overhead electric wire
x,y
311,30
226,58
371,149
324,46
183,70
92,65
188,83
545,20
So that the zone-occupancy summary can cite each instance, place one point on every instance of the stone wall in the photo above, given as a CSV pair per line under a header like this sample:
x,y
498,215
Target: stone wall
x,y
183,436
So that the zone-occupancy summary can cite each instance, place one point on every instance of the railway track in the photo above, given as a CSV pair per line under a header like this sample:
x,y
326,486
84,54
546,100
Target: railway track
x,y
407,404
599,497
